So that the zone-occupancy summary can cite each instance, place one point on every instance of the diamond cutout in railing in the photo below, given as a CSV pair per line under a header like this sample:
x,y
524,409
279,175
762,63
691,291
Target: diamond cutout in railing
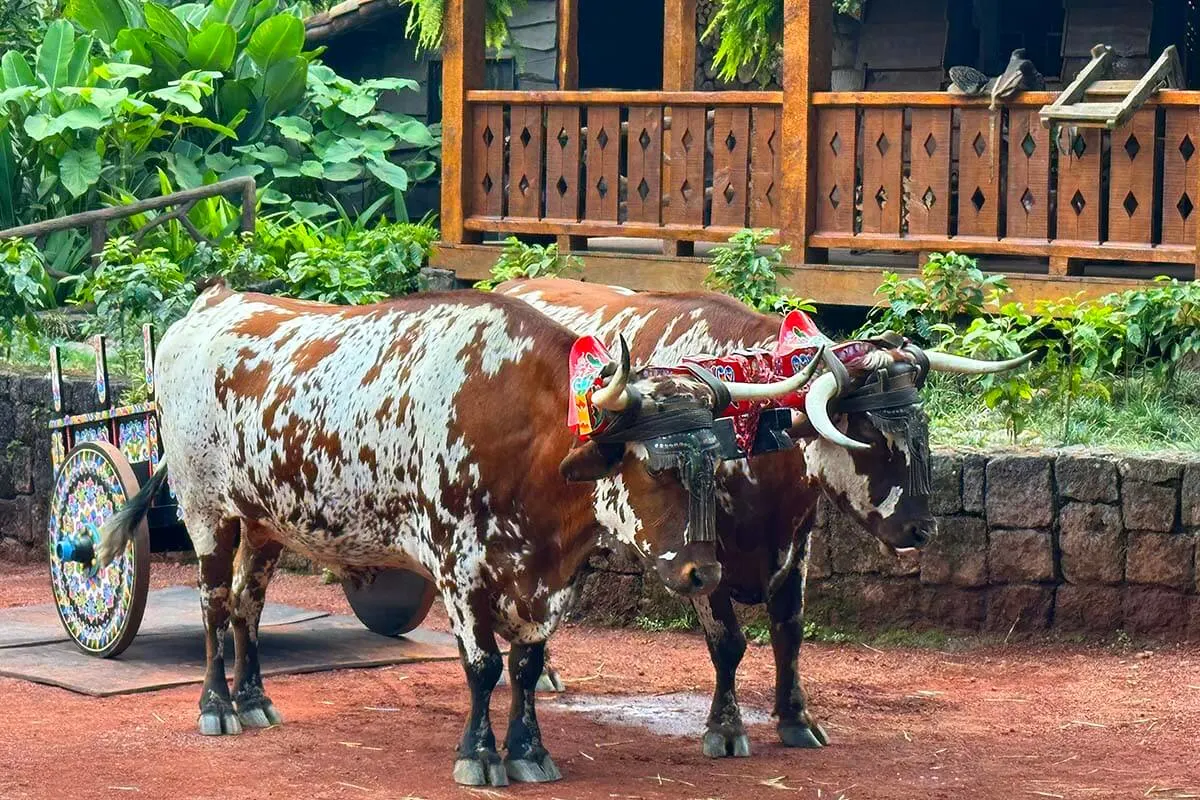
x,y
563,138
488,138
523,185
835,144
1130,203
881,197
643,190
602,187
979,144
644,140
882,144
730,142
1186,148
525,137
602,138
487,184
930,145
835,197
1078,202
770,194
687,139
729,193
1028,145
1079,145
978,199
929,198
771,141
1185,206
685,189
1132,147
562,186
1027,201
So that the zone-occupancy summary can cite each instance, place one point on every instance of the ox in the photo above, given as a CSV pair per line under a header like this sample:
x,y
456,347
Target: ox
x,y
871,460
426,433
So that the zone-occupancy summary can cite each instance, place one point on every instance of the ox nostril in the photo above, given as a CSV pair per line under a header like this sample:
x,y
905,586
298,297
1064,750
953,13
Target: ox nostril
x,y
702,579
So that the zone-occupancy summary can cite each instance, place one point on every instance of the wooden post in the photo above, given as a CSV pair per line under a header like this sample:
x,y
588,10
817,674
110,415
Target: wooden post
x,y
462,71
568,45
807,68
679,75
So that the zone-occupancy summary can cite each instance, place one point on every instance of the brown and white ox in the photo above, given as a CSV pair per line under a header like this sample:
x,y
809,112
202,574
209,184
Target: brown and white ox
x,y
426,433
872,464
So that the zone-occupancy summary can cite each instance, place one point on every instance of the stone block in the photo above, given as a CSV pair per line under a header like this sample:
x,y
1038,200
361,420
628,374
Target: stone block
x,y
5,385
820,565
853,551
1020,556
618,558
870,601
16,520
1019,607
1150,611
1148,506
957,555
974,471
1091,539
1087,478
1160,558
1189,496
1150,470
8,423
1019,492
34,390
946,495
953,608
20,467
1088,609
608,598
438,280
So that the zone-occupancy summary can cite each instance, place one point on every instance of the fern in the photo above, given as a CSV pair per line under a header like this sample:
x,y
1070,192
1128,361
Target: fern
x,y
426,20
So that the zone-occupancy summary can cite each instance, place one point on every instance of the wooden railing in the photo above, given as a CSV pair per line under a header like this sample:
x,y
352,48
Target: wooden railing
x,y
917,171
671,165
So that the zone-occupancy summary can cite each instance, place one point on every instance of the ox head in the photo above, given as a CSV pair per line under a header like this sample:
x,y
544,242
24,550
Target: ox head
x,y
872,447
655,432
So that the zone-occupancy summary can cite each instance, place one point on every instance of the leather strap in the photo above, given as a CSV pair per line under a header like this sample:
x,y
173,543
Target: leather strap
x,y
716,386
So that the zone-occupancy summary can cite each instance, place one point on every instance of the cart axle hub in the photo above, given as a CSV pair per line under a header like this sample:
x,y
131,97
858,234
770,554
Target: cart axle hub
x,y
77,549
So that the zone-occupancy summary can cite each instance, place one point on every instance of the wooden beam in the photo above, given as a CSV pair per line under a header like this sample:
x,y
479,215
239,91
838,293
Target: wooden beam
x,y
807,68
568,44
826,284
679,46
462,70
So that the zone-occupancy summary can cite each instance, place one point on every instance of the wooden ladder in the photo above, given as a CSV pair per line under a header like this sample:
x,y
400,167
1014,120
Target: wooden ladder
x,y
1088,102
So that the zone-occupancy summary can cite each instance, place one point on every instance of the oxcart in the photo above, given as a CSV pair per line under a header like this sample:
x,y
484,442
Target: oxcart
x,y
102,455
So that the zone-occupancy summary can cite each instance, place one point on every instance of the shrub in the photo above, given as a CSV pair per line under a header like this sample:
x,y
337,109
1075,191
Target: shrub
x,y
25,288
741,269
520,260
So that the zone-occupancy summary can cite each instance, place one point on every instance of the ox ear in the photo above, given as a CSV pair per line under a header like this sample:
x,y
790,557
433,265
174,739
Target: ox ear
x,y
592,461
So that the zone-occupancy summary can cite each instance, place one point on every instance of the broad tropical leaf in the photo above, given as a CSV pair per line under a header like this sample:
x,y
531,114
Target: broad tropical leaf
x,y
79,170
230,12
160,20
16,70
277,39
104,18
391,174
213,47
54,54
284,85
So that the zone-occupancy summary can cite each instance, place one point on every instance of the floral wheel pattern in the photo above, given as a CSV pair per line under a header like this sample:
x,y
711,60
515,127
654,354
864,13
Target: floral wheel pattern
x,y
101,609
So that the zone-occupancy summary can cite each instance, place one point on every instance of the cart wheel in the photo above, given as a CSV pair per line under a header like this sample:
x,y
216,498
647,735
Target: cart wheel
x,y
394,603
100,609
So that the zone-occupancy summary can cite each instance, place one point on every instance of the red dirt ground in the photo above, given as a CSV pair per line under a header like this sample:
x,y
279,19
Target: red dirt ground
x,y
986,722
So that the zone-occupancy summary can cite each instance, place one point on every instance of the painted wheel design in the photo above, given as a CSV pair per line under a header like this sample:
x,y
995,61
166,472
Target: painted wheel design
x,y
394,603
100,609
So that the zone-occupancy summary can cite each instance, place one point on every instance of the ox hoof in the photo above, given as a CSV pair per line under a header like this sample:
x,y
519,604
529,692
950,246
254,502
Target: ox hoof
x,y
720,745
219,722
800,734
482,771
260,714
526,771
550,682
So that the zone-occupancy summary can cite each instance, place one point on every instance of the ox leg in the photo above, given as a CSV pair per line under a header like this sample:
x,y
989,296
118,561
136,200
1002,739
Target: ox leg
x,y
726,735
527,759
797,727
256,559
216,577
478,762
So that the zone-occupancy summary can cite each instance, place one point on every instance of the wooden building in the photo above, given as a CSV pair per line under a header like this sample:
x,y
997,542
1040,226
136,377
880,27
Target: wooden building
x,y
862,162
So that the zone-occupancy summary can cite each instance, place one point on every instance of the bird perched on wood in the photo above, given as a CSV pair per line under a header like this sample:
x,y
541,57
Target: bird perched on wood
x,y
1019,76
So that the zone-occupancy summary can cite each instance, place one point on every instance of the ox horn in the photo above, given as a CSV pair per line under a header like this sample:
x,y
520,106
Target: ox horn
x,y
769,391
816,406
614,395
944,362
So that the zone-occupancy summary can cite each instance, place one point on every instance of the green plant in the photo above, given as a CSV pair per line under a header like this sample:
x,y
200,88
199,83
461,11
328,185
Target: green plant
x,y
426,17
1162,323
951,288
23,23
519,260
742,269
25,288
236,260
686,621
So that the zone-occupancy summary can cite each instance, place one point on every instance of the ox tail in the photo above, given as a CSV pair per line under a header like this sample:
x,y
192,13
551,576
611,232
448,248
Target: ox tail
x,y
117,532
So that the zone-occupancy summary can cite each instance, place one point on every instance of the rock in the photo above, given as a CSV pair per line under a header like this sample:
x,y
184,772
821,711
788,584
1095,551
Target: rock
x,y
957,554
1022,556
820,564
1150,470
619,558
16,521
852,550
1148,506
1092,480
950,607
35,390
1019,607
1160,558
1189,495
608,598
20,464
1018,492
974,468
438,280
868,601
1091,540
1088,609
1153,611
946,497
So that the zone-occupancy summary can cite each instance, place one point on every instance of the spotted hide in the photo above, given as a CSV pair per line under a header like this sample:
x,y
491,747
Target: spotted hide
x,y
766,505
427,433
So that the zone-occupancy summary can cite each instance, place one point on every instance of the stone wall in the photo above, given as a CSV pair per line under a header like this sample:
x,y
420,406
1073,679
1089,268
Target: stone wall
x,y
1069,541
